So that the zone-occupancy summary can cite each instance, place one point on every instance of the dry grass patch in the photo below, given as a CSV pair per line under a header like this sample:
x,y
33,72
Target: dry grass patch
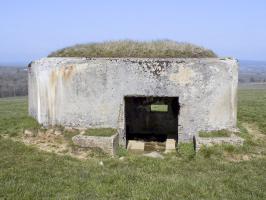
x,y
59,142
254,131
139,49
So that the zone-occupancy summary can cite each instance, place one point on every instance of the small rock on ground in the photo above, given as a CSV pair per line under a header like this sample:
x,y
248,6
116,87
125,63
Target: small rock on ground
x,y
101,163
57,132
28,133
154,154
122,158
50,131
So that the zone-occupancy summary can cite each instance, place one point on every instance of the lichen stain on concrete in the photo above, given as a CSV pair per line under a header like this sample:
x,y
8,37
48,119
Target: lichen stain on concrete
x,y
156,68
67,72
183,76
51,94
53,77
57,76
64,73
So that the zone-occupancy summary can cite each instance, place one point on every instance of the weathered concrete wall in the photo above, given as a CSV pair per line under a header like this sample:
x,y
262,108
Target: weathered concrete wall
x,y
84,92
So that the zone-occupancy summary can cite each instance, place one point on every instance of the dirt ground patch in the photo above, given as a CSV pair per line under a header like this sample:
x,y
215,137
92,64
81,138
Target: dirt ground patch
x,y
56,141
60,142
232,157
258,151
254,131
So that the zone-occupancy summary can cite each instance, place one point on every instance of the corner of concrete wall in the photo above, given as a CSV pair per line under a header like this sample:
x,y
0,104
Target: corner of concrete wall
x,y
32,91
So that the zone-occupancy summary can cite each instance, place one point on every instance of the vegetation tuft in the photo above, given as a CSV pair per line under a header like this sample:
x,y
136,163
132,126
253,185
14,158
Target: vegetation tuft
x,y
121,151
186,150
139,49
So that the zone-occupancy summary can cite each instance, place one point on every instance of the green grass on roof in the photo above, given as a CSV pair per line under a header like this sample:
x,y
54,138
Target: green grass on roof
x,y
136,49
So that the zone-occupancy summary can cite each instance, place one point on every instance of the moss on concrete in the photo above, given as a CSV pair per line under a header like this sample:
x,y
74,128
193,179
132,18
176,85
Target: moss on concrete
x,y
104,132
219,133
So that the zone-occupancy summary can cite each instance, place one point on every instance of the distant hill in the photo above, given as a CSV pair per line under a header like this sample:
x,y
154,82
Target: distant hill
x,y
252,71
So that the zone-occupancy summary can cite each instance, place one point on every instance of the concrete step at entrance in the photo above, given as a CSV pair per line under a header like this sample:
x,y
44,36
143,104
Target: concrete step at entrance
x,y
140,146
170,145
135,145
151,146
154,146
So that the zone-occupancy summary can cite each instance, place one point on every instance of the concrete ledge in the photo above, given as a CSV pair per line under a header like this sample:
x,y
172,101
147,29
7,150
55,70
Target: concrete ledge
x,y
109,145
210,141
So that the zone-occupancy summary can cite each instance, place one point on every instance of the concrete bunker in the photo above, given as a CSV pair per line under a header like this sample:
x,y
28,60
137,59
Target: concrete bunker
x,y
126,94
151,118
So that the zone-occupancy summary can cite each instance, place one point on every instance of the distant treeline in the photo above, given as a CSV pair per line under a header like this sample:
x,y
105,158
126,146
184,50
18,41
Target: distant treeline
x,y
251,79
13,82
252,71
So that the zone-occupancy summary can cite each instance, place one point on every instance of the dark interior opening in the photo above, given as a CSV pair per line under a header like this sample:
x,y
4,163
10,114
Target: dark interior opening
x,y
151,118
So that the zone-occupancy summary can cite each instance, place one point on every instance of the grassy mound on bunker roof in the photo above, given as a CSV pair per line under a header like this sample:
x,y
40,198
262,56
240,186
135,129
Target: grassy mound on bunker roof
x,y
136,49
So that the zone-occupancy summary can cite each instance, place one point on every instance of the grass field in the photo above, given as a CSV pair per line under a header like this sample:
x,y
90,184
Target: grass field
x,y
223,172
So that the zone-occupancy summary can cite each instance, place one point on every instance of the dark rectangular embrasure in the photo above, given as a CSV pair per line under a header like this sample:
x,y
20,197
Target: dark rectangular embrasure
x,y
151,117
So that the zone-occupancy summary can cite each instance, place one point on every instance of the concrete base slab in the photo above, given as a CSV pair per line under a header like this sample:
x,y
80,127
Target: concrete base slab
x,y
135,145
170,145
210,141
107,144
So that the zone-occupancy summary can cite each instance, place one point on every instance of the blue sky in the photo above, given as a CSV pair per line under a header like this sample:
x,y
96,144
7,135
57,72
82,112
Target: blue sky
x,y
31,29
